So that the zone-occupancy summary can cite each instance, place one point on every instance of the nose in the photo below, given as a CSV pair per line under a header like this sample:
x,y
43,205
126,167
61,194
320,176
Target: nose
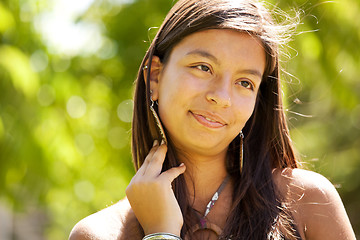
x,y
219,94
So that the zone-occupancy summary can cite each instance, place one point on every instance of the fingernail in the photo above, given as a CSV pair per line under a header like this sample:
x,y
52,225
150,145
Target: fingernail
x,y
162,142
182,164
156,142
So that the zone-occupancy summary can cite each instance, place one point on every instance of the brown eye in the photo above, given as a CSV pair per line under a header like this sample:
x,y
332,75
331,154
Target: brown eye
x,y
203,68
246,84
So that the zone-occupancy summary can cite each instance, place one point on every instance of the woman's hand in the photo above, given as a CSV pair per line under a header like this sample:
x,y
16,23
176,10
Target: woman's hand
x,y
151,196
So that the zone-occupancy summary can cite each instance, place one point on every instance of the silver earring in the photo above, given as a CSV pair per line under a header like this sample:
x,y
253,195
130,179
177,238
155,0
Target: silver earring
x,y
241,151
157,120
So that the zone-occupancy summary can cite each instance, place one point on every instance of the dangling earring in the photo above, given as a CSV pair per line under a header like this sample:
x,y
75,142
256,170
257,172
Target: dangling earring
x,y
241,151
157,120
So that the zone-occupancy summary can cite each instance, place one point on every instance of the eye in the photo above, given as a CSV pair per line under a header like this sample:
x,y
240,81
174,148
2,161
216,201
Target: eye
x,y
246,84
203,68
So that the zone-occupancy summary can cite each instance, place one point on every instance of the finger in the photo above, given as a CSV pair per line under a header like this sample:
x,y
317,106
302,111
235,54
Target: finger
x,y
155,164
148,158
173,173
152,151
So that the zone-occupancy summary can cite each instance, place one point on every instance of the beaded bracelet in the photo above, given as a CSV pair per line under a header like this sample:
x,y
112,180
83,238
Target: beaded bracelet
x,y
161,236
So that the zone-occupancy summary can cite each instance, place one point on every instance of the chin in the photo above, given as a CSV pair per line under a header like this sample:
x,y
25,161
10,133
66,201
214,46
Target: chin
x,y
204,146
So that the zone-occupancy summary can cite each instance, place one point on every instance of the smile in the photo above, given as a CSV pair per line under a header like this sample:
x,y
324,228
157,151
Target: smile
x,y
208,120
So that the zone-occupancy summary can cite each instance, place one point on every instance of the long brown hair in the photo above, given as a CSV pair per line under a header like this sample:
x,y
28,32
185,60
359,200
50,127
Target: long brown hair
x,y
257,206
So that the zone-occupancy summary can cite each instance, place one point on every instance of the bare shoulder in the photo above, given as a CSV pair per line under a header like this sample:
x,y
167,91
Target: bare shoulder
x,y
315,204
116,222
303,185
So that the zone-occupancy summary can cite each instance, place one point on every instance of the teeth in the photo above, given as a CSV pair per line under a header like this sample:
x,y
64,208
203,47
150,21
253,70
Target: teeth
x,y
210,120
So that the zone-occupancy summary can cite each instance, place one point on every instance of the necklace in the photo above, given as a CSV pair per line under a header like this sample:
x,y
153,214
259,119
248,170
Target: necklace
x,y
203,224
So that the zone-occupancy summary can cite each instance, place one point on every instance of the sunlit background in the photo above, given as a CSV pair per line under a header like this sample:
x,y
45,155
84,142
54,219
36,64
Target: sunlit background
x,y
66,82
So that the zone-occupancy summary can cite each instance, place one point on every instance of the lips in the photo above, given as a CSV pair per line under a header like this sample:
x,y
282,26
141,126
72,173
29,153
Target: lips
x,y
208,119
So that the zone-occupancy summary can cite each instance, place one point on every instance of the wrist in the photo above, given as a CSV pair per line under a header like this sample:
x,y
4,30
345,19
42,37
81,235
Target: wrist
x,y
175,230
169,231
161,236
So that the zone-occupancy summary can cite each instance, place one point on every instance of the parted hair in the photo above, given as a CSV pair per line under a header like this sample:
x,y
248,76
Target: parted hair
x,y
258,211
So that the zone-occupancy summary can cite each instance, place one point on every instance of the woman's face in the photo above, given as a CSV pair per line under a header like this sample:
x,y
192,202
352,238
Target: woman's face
x,y
207,89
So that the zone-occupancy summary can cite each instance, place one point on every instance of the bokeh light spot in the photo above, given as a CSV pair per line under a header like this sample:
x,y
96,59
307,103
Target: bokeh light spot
x,y
84,143
76,107
84,191
124,110
108,49
39,61
46,95
99,117
311,46
61,64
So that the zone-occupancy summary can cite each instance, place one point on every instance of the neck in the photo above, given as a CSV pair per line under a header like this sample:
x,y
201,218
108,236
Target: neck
x,y
203,175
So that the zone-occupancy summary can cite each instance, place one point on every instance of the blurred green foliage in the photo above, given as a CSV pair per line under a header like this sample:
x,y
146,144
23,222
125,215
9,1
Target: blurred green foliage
x,y
65,110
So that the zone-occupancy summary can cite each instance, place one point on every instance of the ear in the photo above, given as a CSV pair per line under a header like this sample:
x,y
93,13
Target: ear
x,y
155,72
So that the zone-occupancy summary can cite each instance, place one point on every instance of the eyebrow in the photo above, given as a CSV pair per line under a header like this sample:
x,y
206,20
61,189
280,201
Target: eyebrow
x,y
206,54
252,72
203,53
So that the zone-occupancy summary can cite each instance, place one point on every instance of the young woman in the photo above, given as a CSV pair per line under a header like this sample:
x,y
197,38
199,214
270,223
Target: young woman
x,y
210,142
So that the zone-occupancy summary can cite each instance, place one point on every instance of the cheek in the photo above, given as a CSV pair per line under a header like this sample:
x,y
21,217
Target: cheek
x,y
178,87
245,109
172,96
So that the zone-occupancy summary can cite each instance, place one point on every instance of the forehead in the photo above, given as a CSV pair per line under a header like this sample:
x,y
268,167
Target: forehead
x,y
229,47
